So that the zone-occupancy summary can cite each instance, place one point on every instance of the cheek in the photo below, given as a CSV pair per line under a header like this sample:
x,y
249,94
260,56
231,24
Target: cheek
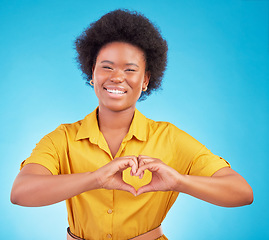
x,y
98,75
137,81
136,88
97,86
99,80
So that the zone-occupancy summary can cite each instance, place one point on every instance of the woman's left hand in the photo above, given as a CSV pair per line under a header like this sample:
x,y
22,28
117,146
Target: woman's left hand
x,y
164,178
224,188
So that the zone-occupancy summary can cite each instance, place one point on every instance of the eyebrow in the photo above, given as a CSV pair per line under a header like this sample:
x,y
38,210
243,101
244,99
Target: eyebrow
x,y
106,61
127,64
132,64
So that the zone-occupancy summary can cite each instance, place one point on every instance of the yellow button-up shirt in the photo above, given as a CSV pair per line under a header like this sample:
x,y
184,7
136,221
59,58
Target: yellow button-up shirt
x,y
114,214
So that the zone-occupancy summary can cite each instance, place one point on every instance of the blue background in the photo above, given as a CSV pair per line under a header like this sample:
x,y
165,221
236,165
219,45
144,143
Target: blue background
x,y
215,88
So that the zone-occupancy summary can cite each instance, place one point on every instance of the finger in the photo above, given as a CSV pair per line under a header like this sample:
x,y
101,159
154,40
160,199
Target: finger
x,y
149,166
145,188
142,160
140,164
143,156
140,171
128,188
126,163
133,165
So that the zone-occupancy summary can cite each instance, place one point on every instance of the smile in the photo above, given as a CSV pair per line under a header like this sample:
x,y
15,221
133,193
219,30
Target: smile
x,y
115,91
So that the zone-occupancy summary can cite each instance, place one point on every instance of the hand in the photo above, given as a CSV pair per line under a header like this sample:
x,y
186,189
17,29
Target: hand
x,y
110,175
164,178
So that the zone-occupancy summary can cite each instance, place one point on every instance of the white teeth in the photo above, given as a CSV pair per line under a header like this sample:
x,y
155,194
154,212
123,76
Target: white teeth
x,y
115,91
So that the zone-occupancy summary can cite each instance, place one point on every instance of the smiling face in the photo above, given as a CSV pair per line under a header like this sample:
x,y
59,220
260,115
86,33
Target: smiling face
x,y
119,75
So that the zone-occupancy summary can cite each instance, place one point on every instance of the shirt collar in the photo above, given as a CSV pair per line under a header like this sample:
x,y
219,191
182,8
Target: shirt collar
x,y
89,128
138,128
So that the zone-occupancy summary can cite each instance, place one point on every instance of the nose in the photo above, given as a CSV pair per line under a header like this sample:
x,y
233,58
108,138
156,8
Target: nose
x,y
117,77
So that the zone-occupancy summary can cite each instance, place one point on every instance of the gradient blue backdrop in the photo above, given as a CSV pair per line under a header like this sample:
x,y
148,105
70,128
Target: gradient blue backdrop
x,y
215,88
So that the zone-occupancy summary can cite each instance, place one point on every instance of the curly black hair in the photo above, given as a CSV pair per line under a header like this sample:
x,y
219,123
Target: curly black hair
x,y
124,26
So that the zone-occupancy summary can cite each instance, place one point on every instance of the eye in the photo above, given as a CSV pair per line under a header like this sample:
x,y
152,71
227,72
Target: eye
x,y
107,67
130,70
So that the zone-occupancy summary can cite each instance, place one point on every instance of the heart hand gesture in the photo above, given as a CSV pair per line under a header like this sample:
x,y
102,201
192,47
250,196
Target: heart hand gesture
x,y
164,178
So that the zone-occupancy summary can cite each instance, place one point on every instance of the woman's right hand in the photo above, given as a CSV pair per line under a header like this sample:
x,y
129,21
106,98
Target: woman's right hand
x,y
110,176
36,186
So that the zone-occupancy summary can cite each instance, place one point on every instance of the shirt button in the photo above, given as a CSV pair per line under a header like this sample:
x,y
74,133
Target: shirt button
x,y
109,211
109,236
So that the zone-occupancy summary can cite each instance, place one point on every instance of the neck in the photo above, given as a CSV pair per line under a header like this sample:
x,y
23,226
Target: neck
x,y
111,121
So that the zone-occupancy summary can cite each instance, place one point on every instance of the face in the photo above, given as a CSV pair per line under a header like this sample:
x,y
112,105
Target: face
x,y
119,75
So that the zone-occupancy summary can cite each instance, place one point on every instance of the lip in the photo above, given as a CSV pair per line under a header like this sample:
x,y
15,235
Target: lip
x,y
115,91
115,88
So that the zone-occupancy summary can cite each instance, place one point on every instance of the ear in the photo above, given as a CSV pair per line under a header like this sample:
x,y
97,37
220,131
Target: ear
x,y
146,79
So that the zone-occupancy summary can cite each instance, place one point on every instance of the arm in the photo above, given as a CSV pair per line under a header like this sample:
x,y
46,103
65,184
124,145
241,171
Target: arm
x,y
36,186
225,188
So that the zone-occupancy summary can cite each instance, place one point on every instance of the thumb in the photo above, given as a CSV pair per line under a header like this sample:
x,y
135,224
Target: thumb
x,y
145,188
129,188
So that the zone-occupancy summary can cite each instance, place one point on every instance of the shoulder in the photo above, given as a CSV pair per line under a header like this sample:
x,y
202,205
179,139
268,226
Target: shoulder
x,y
65,129
77,130
178,138
168,128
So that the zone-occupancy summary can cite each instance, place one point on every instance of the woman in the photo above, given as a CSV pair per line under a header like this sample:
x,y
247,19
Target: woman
x,y
118,171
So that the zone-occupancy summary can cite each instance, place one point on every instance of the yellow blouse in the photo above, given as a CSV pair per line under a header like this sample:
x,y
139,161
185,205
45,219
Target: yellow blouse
x,y
113,214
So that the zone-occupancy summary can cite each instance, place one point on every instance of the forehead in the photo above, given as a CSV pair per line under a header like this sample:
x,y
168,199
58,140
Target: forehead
x,y
121,52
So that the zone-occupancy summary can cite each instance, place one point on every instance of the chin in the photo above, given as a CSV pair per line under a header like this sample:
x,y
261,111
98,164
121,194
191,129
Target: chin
x,y
119,107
